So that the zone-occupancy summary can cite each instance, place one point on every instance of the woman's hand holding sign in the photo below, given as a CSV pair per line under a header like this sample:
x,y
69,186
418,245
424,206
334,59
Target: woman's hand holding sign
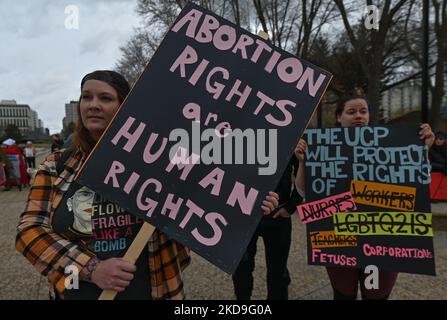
x,y
300,149
270,203
426,134
113,274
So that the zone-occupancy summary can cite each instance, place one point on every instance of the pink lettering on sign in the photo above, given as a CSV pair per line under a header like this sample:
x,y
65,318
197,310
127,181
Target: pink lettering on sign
x,y
330,259
325,208
397,252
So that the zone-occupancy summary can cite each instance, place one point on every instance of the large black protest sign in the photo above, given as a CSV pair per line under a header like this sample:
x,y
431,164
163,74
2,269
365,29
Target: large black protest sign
x,y
205,134
368,199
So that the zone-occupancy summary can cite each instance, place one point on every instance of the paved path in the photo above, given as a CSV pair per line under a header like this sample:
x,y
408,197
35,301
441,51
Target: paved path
x,y
18,280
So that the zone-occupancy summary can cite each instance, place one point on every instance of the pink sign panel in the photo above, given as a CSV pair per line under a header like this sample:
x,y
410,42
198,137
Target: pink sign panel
x,y
325,208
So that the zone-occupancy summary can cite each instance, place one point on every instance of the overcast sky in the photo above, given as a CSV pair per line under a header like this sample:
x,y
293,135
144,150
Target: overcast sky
x,y
42,62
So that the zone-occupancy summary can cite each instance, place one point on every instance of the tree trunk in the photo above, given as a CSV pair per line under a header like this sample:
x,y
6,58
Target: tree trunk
x,y
437,95
373,96
375,83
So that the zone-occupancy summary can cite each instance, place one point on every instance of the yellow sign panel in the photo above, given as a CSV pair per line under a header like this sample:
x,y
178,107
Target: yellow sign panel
x,y
328,239
383,223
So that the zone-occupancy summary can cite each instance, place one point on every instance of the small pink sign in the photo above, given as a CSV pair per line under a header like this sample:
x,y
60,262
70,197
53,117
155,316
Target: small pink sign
x,y
325,208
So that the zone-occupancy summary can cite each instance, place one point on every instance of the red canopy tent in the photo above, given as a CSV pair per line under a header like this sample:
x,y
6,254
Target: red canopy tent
x,y
438,186
16,157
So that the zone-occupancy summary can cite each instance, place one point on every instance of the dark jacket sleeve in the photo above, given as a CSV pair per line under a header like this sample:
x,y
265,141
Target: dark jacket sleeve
x,y
288,196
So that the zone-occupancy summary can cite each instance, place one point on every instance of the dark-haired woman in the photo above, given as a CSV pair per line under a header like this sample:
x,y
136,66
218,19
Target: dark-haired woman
x,y
351,111
67,227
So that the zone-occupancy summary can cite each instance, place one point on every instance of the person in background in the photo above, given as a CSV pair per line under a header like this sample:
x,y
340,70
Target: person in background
x,y
30,155
57,142
438,154
276,232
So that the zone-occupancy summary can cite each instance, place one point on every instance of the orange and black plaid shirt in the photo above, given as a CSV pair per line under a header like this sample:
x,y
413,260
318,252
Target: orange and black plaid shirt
x,y
50,253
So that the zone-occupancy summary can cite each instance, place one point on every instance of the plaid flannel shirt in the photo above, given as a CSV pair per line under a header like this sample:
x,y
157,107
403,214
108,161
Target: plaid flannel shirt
x,y
50,253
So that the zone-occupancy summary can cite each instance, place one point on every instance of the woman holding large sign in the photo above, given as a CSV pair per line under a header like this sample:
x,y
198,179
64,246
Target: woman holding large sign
x,y
68,230
353,111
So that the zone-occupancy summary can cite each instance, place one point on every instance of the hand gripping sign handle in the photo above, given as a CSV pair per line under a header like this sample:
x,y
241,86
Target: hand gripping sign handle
x,y
132,254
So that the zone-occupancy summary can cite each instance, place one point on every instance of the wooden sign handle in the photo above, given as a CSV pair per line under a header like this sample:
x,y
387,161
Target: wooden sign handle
x,y
264,35
132,254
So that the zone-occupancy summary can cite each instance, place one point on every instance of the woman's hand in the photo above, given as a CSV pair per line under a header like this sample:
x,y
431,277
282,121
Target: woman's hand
x,y
426,134
270,203
113,274
300,150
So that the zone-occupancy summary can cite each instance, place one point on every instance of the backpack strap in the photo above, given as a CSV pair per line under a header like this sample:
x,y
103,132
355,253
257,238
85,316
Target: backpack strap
x,y
60,165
